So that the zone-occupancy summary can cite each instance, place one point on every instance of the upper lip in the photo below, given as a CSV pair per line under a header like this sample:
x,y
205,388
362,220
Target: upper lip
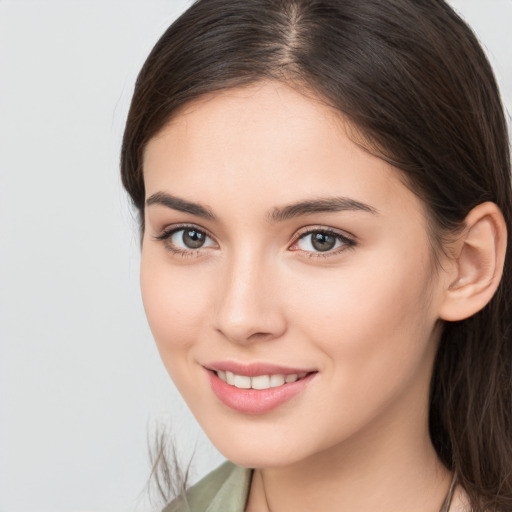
x,y
256,368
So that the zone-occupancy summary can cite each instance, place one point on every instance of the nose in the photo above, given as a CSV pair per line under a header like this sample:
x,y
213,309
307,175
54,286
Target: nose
x,y
248,308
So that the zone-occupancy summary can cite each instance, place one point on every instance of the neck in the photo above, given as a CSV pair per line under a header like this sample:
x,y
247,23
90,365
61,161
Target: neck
x,y
391,467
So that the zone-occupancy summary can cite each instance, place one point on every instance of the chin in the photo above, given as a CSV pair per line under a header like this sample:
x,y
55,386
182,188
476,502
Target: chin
x,y
258,460
258,450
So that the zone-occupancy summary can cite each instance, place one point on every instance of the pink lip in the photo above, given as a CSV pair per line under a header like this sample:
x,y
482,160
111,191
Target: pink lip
x,y
254,369
256,401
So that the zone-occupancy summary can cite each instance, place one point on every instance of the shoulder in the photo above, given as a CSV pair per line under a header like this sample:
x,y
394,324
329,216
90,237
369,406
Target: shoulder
x,y
224,489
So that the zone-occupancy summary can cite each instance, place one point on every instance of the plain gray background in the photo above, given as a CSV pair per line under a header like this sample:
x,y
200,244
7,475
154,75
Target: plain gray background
x,y
81,384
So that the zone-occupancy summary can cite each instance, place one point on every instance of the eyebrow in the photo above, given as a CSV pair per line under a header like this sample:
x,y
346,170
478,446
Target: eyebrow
x,y
277,214
324,205
181,205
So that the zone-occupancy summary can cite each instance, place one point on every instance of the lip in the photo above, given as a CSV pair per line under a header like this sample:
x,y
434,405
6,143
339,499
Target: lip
x,y
256,401
254,369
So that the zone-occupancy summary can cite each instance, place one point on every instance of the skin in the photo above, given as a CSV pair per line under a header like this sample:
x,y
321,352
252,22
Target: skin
x,y
365,316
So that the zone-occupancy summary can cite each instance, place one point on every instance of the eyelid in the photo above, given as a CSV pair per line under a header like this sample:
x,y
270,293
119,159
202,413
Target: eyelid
x,y
349,241
326,229
168,231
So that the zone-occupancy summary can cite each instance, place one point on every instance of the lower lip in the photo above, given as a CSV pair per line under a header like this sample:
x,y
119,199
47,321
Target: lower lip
x,y
256,401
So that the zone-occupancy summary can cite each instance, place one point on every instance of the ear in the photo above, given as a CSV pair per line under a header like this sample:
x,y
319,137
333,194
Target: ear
x,y
477,264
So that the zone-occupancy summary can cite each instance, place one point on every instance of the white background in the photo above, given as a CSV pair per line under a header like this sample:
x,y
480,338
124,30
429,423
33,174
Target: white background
x,y
81,384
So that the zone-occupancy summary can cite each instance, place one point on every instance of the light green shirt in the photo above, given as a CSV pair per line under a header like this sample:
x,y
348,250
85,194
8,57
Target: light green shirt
x,y
223,490
226,490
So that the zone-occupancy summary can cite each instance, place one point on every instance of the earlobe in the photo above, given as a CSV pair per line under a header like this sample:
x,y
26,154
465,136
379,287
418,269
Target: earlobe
x,y
477,263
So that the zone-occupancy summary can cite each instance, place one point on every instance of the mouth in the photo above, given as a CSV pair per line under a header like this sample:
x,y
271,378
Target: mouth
x,y
257,389
259,382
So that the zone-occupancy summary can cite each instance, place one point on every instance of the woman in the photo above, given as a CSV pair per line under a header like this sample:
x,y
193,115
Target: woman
x,y
324,194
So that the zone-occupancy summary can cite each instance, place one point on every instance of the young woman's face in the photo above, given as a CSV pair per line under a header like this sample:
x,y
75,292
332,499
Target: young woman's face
x,y
280,256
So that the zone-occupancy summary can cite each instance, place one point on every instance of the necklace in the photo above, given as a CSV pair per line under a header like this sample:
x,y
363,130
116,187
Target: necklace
x,y
445,507
448,500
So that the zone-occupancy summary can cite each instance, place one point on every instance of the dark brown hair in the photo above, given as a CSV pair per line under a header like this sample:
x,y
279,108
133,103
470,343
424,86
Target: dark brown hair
x,y
413,79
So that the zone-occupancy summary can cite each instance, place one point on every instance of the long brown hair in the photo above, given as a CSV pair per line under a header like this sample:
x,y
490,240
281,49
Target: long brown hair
x,y
413,79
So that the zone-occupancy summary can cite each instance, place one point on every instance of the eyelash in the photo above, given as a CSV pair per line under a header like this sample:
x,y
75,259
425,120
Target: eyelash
x,y
347,243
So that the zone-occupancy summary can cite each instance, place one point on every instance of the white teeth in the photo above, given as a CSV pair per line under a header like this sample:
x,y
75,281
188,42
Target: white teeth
x,y
259,381
242,382
276,380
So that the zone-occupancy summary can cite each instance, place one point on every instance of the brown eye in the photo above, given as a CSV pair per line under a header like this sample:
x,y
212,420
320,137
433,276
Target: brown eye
x,y
186,239
322,241
193,239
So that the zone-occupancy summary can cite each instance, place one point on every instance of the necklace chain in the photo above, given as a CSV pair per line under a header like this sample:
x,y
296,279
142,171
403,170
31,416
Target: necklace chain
x,y
445,507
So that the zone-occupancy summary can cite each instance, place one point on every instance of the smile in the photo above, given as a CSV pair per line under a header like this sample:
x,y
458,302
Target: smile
x,y
259,381
257,388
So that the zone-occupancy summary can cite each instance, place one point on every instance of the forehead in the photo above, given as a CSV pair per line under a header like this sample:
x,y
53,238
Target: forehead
x,y
265,145
249,118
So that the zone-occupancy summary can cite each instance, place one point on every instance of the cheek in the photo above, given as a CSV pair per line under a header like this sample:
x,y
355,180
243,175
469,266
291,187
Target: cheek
x,y
373,314
174,301
374,328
